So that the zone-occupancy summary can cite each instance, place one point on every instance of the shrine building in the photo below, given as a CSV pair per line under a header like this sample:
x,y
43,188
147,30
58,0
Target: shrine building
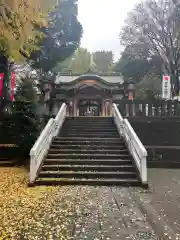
x,y
85,95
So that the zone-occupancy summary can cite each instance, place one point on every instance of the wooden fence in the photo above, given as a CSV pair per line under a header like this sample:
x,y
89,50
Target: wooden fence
x,y
144,108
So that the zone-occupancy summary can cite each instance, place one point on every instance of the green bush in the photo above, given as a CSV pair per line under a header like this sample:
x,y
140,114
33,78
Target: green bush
x,y
23,126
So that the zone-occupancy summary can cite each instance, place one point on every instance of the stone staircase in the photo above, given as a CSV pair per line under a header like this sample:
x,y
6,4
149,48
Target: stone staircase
x,y
5,162
88,150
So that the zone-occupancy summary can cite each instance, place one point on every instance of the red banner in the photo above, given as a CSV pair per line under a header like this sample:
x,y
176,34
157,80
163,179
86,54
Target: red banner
x,y
1,83
12,86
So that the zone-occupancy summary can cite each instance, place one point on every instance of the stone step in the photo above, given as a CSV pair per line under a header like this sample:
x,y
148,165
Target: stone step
x,y
94,128
88,130
103,181
89,120
6,163
88,140
87,146
87,161
76,168
87,151
90,135
101,118
85,142
89,125
87,174
87,156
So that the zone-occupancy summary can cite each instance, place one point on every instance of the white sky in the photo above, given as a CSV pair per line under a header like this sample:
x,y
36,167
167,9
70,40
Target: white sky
x,y
102,21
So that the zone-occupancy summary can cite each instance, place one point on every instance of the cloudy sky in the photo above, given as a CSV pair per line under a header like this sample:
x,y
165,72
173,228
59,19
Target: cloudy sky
x,y
102,21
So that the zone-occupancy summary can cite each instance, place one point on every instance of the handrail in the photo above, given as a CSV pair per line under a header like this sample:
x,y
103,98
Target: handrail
x,y
59,119
118,119
41,146
135,137
135,146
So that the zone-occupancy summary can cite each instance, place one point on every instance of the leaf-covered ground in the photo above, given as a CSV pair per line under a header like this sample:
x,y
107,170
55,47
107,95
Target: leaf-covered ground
x,y
32,213
67,212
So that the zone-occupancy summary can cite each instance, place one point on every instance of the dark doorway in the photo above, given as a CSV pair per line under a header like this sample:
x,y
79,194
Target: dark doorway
x,y
89,108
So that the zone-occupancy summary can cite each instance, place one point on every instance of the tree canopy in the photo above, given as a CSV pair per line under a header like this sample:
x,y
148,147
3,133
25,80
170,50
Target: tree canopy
x,y
155,23
83,61
149,87
60,39
103,60
17,21
136,61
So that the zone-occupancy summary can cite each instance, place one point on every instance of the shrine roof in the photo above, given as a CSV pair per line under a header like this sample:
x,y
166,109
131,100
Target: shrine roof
x,y
71,79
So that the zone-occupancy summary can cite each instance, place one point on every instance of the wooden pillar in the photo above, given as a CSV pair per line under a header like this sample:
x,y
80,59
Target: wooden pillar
x,y
71,107
103,108
111,104
75,107
67,111
55,108
108,107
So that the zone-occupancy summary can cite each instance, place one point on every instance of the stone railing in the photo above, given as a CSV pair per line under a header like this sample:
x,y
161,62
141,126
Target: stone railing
x,y
148,108
41,146
135,147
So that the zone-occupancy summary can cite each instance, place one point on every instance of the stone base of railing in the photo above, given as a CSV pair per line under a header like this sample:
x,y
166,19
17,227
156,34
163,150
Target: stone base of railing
x,y
31,184
145,185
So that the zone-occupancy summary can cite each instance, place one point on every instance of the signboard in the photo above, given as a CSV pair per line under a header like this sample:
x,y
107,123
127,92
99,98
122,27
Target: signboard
x,y
166,87
1,83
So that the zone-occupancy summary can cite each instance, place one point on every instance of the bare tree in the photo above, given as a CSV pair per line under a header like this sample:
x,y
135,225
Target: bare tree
x,y
156,23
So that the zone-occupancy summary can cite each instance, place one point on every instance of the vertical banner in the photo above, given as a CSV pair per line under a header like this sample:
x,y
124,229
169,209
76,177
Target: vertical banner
x,y
166,87
1,83
12,86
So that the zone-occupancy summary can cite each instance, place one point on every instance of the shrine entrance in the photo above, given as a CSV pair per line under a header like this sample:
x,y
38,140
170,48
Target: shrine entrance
x,y
86,95
89,108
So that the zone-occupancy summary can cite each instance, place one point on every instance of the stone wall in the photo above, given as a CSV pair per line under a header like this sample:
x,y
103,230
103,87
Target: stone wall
x,y
160,131
161,138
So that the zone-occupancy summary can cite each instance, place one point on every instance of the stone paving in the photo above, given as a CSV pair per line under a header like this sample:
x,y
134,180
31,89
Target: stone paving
x,y
109,213
87,212
97,213
164,196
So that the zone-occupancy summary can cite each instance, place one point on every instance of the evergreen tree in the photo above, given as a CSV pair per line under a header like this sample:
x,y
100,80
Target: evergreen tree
x,y
24,123
61,37
27,115
103,61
